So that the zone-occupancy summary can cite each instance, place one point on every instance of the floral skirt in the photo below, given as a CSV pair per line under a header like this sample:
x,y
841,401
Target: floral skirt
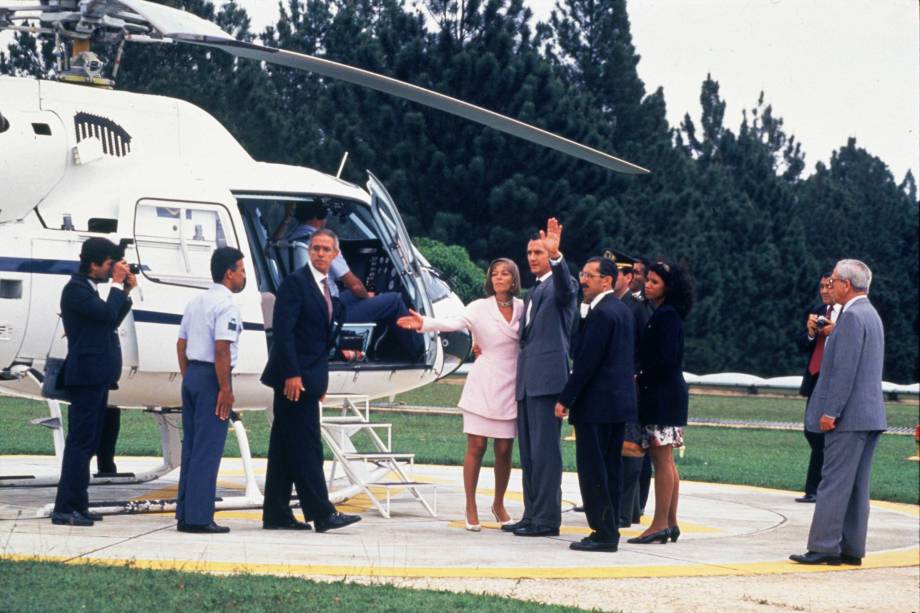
x,y
662,436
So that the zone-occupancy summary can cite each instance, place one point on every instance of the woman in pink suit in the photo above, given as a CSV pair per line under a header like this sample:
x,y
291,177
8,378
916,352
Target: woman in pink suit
x,y
488,404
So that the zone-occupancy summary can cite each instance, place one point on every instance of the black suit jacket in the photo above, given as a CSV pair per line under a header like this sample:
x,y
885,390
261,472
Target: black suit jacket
x,y
600,389
91,326
640,313
807,346
663,398
303,334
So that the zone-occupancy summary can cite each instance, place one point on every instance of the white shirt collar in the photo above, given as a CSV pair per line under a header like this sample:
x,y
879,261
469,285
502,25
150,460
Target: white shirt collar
x,y
600,297
317,275
545,276
851,301
220,287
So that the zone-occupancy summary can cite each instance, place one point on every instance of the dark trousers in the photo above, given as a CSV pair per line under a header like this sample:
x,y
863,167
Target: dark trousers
x,y
815,461
295,457
630,491
541,460
383,309
84,425
105,452
598,452
203,437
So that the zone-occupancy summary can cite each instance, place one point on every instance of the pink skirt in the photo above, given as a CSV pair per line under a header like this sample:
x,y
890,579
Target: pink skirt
x,y
474,423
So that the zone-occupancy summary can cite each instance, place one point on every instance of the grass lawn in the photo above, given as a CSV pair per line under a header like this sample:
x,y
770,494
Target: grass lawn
x,y
47,586
746,456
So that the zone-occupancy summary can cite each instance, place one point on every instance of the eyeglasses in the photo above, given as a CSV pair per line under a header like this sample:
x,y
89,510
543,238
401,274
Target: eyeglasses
x,y
589,275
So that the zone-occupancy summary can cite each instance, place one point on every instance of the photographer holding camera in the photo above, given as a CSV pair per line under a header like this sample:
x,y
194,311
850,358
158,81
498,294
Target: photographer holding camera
x,y
91,369
819,324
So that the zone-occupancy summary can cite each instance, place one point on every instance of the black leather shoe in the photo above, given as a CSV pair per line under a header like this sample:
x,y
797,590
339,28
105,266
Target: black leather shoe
x,y
661,536
74,518
91,515
675,533
211,528
536,530
516,525
291,524
850,560
579,508
590,543
335,521
807,498
625,523
816,557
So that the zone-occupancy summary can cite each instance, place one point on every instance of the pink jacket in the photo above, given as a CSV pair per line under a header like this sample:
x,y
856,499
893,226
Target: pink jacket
x,y
489,389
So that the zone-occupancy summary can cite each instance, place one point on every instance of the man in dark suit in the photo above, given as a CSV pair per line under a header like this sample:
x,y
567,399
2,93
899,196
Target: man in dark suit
x,y
848,407
543,368
599,397
306,321
91,369
631,501
819,323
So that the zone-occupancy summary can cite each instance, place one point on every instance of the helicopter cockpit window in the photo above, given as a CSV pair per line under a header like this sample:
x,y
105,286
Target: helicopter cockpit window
x,y
175,240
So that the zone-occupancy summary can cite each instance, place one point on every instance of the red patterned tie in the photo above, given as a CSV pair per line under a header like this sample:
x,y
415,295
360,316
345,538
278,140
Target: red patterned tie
x,y
327,297
814,364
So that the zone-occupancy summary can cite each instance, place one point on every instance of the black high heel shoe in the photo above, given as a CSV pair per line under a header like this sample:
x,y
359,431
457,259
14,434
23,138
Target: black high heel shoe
x,y
661,536
675,533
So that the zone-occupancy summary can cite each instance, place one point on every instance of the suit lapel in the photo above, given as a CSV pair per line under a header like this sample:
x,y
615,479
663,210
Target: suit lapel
x,y
535,296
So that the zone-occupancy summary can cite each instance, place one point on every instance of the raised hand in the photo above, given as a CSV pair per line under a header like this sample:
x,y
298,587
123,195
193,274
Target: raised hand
x,y
412,321
551,237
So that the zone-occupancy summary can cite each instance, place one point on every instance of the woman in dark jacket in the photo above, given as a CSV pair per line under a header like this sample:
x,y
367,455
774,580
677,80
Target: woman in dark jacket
x,y
663,391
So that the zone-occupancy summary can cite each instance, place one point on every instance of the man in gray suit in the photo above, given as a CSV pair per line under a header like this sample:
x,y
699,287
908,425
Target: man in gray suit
x,y
847,405
543,369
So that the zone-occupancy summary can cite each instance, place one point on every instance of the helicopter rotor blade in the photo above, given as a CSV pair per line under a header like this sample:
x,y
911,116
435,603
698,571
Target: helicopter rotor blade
x,y
420,95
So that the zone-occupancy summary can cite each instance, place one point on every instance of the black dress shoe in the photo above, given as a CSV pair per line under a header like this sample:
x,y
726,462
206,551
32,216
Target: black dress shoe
x,y
335,521
850,560
816,557
516,525
91,515
807,498
536,530
591,543
625,523
675,533
74,518
661,536
211,528
579,508
291,524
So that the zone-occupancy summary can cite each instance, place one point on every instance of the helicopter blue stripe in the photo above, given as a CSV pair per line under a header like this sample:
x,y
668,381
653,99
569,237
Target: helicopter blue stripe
x,y
69,267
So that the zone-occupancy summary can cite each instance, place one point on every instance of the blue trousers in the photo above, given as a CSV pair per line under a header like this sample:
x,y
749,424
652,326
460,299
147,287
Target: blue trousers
x,y
383,309
203,438
84,427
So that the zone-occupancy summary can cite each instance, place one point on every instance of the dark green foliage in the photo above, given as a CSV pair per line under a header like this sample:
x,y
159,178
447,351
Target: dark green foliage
x,y
737,205
454,265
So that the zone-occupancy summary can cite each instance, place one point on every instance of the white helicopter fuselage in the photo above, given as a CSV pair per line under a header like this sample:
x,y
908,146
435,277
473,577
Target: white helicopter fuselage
x,y
171,182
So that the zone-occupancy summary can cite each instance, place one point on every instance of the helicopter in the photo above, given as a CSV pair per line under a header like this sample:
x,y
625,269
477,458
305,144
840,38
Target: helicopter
x,y
166,181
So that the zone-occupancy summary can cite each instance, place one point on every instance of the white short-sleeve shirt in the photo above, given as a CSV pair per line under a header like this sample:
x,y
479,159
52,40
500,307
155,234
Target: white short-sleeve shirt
x,y
209,317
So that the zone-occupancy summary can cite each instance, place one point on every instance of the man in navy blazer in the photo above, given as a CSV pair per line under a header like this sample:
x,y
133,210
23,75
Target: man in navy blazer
x,y
848,407
599,398
91,369
306,321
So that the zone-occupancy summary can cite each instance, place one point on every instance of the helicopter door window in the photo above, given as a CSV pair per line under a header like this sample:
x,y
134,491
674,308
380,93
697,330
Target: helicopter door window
x,y
175,240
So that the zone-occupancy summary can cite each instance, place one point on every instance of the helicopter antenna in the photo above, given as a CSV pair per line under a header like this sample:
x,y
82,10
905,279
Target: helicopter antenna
x,y
338,175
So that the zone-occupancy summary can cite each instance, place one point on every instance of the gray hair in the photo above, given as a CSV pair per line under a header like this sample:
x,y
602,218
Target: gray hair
x,y
856,272
326,232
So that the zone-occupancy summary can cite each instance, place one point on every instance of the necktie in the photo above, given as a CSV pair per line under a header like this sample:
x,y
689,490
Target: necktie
x,y
814,364
328,298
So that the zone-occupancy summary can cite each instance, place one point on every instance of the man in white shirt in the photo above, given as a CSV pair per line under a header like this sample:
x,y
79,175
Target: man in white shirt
x,y
207,348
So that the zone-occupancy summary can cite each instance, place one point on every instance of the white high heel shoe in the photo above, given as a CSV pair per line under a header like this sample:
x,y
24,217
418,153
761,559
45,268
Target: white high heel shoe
x,y
507,522
471,527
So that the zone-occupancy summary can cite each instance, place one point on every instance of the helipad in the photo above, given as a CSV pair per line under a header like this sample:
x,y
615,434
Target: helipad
x,y
726,530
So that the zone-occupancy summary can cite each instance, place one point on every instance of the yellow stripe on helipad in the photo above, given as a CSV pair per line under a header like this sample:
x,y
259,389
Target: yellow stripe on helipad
x,y
888,559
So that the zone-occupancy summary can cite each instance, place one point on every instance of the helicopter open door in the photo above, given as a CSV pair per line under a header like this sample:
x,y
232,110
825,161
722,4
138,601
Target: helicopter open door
x,y
395,240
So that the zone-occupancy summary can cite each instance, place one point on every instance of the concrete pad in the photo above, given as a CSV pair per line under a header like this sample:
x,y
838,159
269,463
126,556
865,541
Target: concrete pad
x,y
726,530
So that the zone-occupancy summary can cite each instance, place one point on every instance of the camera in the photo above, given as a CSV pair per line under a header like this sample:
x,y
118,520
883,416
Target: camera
x,y
822,321
134,269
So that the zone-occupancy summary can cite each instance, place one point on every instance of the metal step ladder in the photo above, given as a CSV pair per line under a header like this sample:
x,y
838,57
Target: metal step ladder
x,y
378,472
